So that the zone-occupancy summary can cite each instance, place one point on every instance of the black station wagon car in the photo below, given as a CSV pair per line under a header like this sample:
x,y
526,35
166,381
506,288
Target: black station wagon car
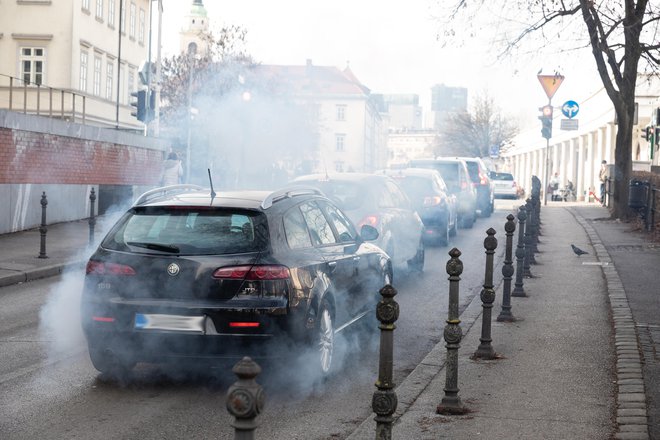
x,y
186,274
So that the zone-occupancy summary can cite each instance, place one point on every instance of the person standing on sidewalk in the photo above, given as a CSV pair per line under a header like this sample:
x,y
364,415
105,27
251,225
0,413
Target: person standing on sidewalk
x,y
602,175
172,170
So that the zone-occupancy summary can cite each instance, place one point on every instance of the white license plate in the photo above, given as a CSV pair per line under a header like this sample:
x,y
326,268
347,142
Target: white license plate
x,y
169,322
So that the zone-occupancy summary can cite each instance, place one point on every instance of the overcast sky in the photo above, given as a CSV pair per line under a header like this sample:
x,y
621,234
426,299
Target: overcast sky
x,y
390,46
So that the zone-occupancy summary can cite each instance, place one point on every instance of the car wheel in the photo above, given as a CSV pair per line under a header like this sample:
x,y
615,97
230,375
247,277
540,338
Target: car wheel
x,y
416,264
325,339
109,364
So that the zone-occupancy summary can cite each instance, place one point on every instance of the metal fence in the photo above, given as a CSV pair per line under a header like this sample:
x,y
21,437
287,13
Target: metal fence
x,y
651,209
19,95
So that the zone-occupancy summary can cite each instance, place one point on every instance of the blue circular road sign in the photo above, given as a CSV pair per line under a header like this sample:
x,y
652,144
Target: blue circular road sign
x,y
570,109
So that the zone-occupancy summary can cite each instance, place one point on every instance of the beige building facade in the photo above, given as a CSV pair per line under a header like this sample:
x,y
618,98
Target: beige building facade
x,y
74,59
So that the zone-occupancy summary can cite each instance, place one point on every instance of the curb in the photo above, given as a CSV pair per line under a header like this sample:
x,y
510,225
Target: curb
x,y
39,273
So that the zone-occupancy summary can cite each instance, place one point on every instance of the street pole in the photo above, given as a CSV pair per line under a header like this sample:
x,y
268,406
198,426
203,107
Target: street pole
x,y
191,73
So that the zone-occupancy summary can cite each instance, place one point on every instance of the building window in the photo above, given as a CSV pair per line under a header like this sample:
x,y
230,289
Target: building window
x,y
109,79
83,70
142,27
131,21
340,142
339,166
131,82
111,13
85,5
99,8
97,75
32,64
341,112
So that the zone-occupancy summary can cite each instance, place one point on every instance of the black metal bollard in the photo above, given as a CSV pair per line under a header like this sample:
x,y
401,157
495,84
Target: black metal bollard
x,y
507,271
384,400
245,399
451,402
485,349
528,242
92,218
518,290
533,223
43,229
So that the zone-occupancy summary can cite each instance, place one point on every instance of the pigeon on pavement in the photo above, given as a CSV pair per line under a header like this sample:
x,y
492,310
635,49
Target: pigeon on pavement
x,y
578,251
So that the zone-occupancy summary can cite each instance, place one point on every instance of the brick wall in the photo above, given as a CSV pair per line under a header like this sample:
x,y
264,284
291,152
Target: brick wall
x,y
40,157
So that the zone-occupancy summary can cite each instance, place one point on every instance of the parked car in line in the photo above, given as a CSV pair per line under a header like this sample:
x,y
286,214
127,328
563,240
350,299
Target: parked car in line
x,y
186,274
376,200
431,199
505,185
482,183
455,174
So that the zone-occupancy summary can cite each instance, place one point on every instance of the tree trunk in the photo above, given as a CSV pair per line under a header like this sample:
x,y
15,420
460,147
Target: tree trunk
x,y
623,158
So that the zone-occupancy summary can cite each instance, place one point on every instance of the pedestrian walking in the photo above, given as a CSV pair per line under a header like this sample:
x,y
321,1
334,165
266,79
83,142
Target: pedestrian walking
x,y
172,170
602,175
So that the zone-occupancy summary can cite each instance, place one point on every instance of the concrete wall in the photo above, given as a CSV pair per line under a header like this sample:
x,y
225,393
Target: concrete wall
x,y
66,161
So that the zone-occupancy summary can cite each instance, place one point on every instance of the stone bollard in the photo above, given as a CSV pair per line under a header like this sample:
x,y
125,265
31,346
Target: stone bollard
x,y
92,218
245,399
451,402
43,229
384,400
507,271
485,349
519,290
529,255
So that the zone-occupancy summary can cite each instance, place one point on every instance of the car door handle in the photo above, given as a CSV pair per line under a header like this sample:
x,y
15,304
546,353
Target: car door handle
x,y
356,258
332,265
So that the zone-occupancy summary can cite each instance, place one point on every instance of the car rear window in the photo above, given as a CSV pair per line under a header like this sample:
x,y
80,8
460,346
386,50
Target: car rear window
x,y
448,170
501,176
189,231
473,170
348,195
416,187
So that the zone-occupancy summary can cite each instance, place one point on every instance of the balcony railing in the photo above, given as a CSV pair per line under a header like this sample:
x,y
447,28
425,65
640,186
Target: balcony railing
x,y
23,96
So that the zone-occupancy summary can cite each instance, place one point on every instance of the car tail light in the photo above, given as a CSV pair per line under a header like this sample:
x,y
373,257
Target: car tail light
x,y
253,273
103,319
483,179
244,324
432,201
371,220
100,268
464,185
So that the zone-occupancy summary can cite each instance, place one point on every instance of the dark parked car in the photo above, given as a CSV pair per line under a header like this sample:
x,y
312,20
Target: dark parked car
x,y
482,183
431,199
376,200
186,274
455,174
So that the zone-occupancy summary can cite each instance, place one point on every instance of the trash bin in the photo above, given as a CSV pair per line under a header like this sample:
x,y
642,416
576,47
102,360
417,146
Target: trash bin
x,y
638,193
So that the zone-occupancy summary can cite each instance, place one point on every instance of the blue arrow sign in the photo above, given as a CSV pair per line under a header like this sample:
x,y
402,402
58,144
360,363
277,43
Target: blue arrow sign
x,y
570,109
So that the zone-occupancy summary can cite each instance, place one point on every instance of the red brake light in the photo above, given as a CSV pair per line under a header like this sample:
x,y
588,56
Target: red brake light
x,y
464,185
244,324
103,319
432,201
483,179
101,268
371,220
265,272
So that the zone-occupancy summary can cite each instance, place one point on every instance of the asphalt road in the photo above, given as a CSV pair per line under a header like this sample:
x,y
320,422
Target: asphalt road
x,y
50,390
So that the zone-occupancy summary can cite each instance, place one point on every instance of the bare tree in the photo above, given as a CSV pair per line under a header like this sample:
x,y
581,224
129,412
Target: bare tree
x,y
622,35
475,132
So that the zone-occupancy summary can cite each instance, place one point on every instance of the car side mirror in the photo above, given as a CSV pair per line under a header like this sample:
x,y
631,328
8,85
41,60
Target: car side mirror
x,y
368,233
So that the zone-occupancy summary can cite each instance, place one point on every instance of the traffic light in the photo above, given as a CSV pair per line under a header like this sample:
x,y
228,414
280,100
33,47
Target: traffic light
x,y
546,121
140,104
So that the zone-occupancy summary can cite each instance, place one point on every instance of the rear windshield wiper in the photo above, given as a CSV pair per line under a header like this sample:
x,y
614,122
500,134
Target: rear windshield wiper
x,y
155,246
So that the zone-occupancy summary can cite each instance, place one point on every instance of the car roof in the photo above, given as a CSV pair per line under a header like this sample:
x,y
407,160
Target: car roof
x,y
192,195
343,177
439,160
418,172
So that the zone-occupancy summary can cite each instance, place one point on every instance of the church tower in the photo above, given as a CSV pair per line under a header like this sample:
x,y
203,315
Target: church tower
x,y
196,25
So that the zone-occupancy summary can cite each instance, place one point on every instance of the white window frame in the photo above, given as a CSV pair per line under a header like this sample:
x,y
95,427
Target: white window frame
x,y
109,79
84,66
142,25
98,65
111,13
131,21
341,112
35,61
85,5
340,142
99,9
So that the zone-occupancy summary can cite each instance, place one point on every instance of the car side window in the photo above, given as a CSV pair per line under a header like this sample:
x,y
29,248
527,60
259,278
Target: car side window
x,y
399,199
295,230
343,226
318,225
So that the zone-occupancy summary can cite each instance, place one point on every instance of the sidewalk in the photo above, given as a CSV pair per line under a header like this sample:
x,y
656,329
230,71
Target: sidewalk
x,y
568,368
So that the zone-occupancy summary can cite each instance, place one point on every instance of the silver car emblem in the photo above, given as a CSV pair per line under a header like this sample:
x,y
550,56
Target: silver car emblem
x,y
173,269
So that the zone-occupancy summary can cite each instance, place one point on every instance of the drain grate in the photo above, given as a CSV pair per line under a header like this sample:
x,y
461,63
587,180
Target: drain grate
x,y
649,340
